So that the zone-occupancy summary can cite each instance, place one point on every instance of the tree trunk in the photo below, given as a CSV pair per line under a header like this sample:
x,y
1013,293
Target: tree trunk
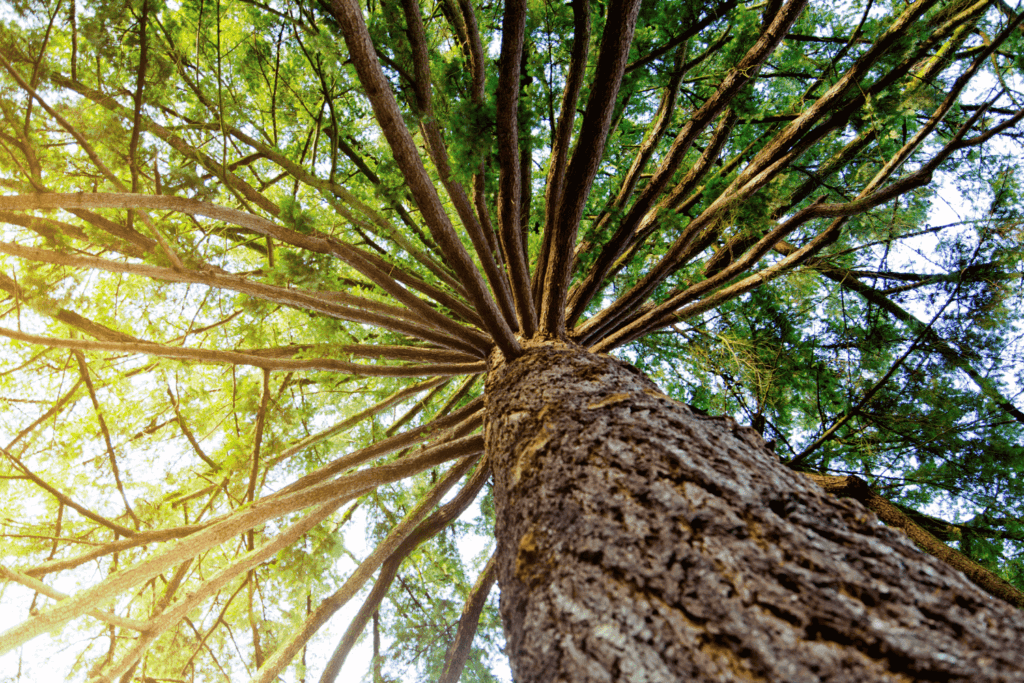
x,y
638,541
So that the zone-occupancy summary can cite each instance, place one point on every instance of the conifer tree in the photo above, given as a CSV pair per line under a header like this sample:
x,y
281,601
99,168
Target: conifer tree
x,y
300,297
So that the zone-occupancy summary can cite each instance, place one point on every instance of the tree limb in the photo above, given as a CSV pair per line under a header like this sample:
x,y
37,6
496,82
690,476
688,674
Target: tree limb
x,y
361,51
580,172
459,650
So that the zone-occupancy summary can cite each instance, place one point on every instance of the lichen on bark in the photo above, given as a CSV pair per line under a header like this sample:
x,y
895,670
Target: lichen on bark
x,y
639,541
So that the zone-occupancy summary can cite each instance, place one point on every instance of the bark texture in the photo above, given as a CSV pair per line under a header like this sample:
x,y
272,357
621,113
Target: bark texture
x,y
639,541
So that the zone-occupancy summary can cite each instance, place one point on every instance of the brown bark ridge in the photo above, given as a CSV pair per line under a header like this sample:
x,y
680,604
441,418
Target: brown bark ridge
x,y
639,541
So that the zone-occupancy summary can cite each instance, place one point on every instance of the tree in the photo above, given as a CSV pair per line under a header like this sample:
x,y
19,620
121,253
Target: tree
x,y
275,269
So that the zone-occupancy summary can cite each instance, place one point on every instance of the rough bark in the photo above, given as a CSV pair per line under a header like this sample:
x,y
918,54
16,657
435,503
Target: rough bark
x,y
855,487
639,541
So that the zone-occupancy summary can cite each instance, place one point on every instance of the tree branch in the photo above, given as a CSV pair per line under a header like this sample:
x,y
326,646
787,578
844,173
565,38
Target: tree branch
x,y
112,457
346,424
736,79
454,426
510,188
67,500
164,619
439,155
561,138
582,168
430,527
757,174
236,358
229,526
690,31
459,650
287,650
188,432
363,56
40,587
323,302
257,443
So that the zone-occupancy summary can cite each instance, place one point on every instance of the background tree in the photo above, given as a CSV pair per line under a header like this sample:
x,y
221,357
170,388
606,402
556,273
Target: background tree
x,y
260,259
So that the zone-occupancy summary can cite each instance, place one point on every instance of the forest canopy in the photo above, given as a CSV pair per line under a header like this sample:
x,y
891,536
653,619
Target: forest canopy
x,y
256,259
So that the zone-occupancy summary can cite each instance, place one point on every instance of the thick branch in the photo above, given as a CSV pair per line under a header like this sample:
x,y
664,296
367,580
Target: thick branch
x,y
230,526
579,175
68,317
284,654
139,539
163,619
316,243
439,155
446,429
236,358
733,82
458,651
323,302
40,587
510,188
748,182
561,137
663,314
382,225
424,532
375,84
653,136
